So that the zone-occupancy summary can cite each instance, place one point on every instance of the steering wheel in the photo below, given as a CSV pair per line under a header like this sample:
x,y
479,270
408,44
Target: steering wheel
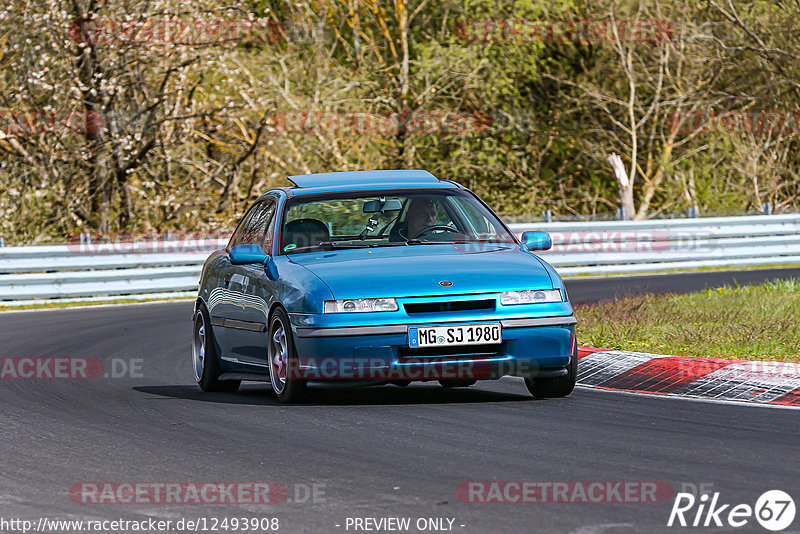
x,y
429,229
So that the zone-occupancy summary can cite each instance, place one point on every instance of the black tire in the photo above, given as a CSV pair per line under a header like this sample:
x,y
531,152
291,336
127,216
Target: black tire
x,y
457,383
559,386
282,354
205,364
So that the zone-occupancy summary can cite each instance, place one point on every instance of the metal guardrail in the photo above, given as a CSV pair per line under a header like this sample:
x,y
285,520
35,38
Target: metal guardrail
x,y
90,271
582,248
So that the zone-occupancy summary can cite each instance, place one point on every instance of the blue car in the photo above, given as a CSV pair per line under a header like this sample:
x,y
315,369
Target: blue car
x,y
380,277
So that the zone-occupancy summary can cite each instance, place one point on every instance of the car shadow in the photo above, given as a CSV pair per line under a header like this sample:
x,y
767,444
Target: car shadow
x,y
262,395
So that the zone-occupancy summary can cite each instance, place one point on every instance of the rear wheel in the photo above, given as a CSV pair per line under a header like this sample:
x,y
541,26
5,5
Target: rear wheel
x,y
204,356
283,361
457,383
559,386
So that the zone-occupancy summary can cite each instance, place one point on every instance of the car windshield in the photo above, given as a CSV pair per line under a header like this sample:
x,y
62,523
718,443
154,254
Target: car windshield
x,y
388,218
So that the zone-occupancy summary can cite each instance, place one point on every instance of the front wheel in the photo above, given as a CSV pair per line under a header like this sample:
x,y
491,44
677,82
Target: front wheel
x,y
204,356
284,365
559,386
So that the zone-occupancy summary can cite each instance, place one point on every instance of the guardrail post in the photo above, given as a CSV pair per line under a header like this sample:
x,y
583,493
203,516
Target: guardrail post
x,y
621,214
692,212
548,216
767,208
2,242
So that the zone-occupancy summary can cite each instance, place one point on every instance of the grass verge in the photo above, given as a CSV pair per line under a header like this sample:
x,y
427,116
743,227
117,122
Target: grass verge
x,y
753,322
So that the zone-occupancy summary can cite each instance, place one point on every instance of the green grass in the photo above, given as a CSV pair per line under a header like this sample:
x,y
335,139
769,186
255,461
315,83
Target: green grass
x,y
757,322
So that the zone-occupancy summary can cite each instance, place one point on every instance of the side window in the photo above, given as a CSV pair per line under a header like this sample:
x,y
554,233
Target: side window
x,y
236,238
253,229
266,241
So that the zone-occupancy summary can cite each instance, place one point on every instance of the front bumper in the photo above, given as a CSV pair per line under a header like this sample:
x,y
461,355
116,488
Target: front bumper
x,y
540,346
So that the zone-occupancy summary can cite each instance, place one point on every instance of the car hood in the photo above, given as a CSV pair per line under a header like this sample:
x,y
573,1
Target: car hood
x,y
417,270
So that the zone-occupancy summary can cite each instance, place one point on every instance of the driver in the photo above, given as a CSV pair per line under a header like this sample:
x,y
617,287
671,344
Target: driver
x,y
421,214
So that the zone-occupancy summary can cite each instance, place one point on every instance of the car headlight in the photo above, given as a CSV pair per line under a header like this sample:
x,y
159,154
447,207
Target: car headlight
x,y
360,305
533,296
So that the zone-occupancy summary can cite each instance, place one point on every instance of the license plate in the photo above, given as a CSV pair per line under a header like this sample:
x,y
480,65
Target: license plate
x,y
447,336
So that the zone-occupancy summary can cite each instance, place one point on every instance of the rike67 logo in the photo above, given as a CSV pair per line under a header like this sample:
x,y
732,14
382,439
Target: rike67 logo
x,y
774,510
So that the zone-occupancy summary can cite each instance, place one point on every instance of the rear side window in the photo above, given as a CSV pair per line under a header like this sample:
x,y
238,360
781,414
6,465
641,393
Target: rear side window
x,y
253,228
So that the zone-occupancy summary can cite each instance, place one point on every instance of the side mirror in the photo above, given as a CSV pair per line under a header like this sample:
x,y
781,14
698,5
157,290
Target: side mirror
x,y
537,240
244,254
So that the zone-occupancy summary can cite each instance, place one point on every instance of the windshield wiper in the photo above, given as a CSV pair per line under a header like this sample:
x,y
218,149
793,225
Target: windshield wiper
x,y
337,244
389,244
488,242
329,245
418,242
466,242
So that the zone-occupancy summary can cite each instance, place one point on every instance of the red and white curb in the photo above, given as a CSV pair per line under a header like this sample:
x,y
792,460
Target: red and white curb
x,y
709,378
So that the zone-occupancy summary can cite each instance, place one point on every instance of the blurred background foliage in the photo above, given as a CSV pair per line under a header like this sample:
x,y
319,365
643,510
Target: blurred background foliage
x,y
191,131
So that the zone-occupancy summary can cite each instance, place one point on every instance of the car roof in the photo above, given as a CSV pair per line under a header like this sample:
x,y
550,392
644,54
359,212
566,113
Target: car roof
x,y
350,178
335,182
296,191
338,182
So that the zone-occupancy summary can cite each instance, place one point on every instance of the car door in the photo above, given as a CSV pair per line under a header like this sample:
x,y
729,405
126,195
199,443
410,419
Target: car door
x,y
220,304
248,289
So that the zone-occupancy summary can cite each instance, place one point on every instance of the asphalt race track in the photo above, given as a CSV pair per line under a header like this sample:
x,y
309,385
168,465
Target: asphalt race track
x,y
594,289
372,452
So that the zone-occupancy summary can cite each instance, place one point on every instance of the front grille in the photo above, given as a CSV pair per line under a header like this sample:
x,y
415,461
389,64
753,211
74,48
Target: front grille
x,y
471,351
444,307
